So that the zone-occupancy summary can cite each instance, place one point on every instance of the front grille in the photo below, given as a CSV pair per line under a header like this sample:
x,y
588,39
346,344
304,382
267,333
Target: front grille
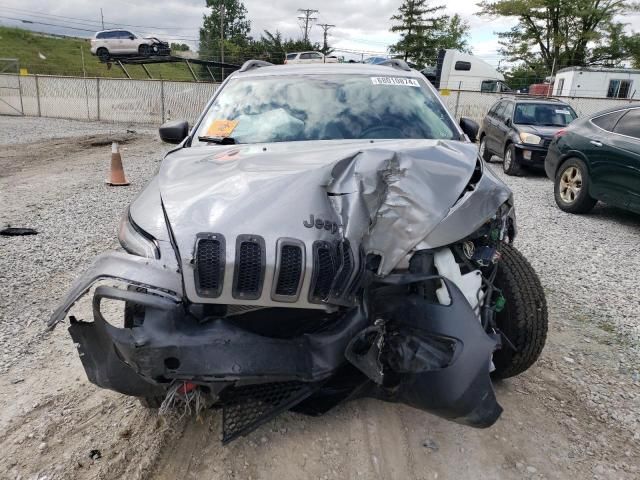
x,y
289,270
324,271
249,272
209,264
546,142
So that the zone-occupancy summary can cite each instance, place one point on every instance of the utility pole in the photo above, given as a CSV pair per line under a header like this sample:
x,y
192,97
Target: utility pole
x,y
102,18
306,18
222,37
325,27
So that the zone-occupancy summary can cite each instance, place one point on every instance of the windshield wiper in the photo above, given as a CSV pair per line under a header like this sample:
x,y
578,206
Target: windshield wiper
x,y
218,140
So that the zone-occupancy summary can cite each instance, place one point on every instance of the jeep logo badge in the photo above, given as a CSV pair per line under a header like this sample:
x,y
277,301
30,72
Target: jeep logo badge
x,y
321,224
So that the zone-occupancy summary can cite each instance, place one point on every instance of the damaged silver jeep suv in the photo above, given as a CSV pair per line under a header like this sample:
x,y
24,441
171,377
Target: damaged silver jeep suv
x,y
323,233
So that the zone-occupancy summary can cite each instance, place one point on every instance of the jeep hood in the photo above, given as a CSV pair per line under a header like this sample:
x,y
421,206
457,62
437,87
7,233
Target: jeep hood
x,y
386,197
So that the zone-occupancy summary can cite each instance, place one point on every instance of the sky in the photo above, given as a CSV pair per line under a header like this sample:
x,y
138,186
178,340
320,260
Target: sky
x,y
361,25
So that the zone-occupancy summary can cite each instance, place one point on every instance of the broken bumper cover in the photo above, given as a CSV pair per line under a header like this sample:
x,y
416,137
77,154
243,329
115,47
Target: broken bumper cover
x,y
172,345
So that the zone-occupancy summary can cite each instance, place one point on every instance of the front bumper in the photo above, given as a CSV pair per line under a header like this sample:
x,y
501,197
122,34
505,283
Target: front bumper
x,y
173,346
530,155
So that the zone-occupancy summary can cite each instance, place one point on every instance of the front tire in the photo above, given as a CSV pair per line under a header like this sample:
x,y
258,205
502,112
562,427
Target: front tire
x,y
524,319
144,50
571,187
483,150
510,164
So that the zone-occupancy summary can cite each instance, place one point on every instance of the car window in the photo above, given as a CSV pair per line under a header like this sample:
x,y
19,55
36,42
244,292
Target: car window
x,y
291,56
123,34
608,121
500,108
493,109
629,124
328,107
101,35
544,114
305,56
315,55
508,111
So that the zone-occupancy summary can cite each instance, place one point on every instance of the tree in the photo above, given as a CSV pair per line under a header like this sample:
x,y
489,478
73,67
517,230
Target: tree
x,y
236,27
562,33
423,31
454,34
274,47
180,47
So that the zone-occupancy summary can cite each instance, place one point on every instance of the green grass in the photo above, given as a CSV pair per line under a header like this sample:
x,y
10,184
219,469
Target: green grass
x,y
63,57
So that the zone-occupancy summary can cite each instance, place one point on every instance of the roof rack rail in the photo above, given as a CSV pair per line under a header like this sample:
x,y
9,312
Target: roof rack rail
x,y
524,96
396,63
251,64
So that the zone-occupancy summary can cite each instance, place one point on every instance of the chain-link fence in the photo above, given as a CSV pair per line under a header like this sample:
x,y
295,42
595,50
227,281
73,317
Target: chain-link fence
x,y
105,99
156,101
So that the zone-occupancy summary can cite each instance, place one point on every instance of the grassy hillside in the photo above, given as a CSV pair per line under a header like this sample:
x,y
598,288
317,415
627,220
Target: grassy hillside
x,y
63,57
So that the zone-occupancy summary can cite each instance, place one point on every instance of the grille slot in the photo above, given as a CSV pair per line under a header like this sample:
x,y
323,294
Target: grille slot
x,y
248,276
209,264
324,271
346,268
289,270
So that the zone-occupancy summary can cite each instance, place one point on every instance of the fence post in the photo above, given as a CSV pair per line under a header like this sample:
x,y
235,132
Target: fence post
x,y
38,96
98,96
455,115
162,98
20,90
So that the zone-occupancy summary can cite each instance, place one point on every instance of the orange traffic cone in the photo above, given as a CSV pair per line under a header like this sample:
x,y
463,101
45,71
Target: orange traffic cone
x,y
117,172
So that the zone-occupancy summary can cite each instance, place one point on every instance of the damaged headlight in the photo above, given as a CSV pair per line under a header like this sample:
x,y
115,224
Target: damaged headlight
x,y
135,240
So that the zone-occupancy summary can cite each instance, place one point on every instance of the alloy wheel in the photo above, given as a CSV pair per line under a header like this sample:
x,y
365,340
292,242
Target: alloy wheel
x,y
570,184
507,160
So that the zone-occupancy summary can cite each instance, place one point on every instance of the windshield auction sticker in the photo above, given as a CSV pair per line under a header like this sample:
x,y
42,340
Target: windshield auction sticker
x,y
395,81
221,128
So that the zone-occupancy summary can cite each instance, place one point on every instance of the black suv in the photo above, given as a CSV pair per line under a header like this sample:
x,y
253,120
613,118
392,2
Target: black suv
x,y
521,130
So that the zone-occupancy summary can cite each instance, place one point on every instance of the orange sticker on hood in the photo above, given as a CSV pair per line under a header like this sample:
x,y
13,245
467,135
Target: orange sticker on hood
x,y
221,128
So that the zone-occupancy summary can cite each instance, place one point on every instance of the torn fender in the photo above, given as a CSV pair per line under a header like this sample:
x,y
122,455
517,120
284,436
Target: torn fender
x,y
154,275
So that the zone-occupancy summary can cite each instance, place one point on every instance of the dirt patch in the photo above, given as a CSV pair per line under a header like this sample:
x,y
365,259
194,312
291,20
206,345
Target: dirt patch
x,y
39,154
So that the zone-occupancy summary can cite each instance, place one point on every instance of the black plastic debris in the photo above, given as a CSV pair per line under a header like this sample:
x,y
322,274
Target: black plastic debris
x,y
95,454
15,232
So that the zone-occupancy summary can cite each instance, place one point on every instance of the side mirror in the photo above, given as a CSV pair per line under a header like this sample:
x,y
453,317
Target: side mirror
x,y
131,37
508,122
174,131
470,128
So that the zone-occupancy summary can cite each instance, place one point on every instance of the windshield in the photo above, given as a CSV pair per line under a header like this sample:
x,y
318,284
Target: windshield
x,y
326,107
544,114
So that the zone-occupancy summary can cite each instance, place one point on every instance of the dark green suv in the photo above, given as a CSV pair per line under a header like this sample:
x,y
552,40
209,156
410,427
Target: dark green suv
x,y
597,158
520,130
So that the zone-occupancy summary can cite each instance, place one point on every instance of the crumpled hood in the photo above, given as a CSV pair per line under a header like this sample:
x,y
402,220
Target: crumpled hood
x,y
386,196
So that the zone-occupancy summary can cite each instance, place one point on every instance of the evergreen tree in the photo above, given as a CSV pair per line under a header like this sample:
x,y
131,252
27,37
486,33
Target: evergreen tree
x,y
424,31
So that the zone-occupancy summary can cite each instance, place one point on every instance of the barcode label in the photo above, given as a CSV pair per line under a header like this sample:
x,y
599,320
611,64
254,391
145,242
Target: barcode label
x,y
395,81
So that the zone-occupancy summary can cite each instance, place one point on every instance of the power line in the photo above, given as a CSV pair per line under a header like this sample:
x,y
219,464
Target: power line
x,y
89,21
307,12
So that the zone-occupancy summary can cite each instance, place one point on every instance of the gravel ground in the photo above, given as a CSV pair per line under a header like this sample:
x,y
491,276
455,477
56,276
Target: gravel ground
x,y
575,414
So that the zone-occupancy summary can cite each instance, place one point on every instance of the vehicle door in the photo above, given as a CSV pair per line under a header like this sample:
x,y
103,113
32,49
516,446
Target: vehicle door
x,y
315,57
503,126
615,162
492,127
129,42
